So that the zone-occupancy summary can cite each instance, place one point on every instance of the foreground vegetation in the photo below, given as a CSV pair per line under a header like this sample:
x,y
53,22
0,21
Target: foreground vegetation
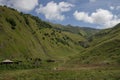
x,y
81,74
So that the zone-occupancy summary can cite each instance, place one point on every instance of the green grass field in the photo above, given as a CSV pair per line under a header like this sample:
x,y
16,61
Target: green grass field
x,y
81,74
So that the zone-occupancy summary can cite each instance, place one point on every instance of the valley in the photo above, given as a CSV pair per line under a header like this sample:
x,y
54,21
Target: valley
x,y
48,51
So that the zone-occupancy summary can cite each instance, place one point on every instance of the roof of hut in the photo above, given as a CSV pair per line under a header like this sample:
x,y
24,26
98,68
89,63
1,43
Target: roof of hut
x,y
7,60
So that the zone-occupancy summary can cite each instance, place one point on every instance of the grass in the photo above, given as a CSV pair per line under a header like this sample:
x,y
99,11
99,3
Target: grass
x,y
24,36
104,49
40,74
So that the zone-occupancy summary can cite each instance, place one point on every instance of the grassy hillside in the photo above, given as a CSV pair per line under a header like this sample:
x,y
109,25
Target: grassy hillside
x,y
82,31
104,49
38,74
24,36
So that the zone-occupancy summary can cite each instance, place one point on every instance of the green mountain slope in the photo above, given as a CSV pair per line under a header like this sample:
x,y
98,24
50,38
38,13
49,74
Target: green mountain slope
x,y
24,36
82,31
104,49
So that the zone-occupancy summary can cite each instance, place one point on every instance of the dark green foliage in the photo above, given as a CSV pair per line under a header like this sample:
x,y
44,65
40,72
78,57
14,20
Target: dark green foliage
x,y
13,27
10,8
84,44
90,39
53,33
26,20
52,39
62,41
50,60
43,38
1,27
11,21
21,13
41,23
33,32
46,34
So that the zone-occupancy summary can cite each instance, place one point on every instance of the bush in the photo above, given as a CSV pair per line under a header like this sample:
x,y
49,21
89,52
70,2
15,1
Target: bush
x,y
46,34
13,27
0,27
83,44
11,21
50,60
41,24
62,41
43,38
26,20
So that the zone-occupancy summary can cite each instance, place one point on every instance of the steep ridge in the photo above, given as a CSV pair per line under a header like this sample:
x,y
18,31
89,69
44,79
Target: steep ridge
x,y
82,31
23,36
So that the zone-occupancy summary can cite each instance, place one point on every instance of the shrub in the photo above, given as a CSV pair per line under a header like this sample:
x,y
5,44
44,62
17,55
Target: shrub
x,y
26,20
0,27
50,60
41,24
83,44
11,21
46,34
33,32
43,38
62,41
13,27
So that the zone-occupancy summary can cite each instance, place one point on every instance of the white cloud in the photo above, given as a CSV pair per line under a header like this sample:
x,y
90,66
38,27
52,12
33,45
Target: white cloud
x,y
53,11
92,0
112,8
21,5
102,17
115,7
82,16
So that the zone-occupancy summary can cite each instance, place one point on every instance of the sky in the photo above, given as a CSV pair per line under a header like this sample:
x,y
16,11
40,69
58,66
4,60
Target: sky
x,y
84,13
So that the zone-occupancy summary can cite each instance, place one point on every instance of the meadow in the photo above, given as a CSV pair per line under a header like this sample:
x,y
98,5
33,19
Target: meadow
x,y
80,74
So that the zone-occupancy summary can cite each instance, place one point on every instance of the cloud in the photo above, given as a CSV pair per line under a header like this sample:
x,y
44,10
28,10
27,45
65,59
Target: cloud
x,y
53,11
115,7
82,16
102,17
20,5
112,7
92,0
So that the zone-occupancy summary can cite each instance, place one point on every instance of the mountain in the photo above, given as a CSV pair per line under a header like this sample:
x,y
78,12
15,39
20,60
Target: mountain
x,y
83,31
104,49
24,36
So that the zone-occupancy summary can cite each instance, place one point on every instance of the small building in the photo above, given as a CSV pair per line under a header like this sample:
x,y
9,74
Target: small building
x,y
7,61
